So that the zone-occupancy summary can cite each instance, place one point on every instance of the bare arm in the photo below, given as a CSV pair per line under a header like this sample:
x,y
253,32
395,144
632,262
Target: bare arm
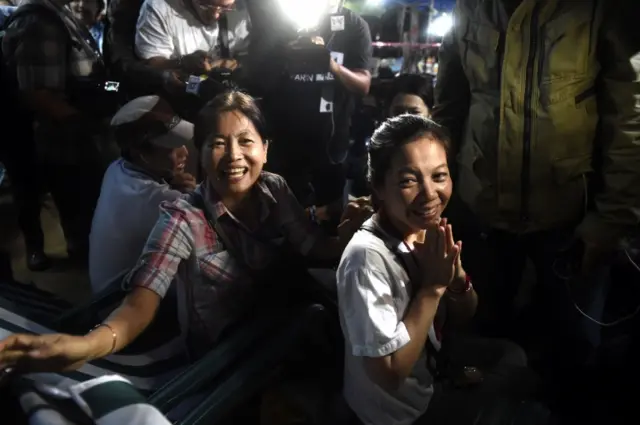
x,y
390,371
123,17
355,75
130,319
169,243
357,81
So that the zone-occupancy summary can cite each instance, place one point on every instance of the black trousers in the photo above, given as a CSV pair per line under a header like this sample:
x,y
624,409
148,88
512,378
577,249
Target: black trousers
x,y
507,386
75,189
74,165
507,382
27,181
507,254
496,261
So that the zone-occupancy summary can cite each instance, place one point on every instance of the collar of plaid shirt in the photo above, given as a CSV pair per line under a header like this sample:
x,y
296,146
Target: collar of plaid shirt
x,y
216,208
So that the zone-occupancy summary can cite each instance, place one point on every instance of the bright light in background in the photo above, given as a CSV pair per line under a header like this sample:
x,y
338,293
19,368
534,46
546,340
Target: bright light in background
x,y
374,2
440,25
305,14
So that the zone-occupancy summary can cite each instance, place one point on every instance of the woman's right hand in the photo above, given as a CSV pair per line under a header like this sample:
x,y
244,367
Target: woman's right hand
x,y
438,257
44,353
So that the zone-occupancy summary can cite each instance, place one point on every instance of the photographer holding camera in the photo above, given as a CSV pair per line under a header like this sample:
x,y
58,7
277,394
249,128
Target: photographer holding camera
x,y
191,37
190,41
326,69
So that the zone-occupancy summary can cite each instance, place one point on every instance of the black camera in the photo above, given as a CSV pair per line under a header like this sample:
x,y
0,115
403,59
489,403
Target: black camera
x,y
306,57
201,89
217,81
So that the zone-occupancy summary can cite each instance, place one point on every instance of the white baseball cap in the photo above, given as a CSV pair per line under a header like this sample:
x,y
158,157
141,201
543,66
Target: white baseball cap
x,y
150,119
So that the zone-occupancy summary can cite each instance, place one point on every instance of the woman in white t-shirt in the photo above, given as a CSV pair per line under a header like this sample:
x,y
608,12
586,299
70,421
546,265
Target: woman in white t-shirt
x,y
400,280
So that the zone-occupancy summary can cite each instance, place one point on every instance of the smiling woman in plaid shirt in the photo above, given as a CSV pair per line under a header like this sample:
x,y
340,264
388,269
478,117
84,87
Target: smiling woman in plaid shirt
x,y
212,245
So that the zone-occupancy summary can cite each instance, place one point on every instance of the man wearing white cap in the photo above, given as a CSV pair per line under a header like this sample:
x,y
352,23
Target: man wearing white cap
x,y
152,140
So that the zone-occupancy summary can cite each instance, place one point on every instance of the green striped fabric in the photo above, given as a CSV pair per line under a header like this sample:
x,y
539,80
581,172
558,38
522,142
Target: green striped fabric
x,y
107,400
144,371
147,371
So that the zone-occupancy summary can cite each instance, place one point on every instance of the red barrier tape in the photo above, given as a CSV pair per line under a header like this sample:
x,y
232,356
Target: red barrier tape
x,y
418,45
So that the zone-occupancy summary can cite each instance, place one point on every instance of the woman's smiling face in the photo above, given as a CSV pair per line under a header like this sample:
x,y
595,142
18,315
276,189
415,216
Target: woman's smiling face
x,y
234,156
417,187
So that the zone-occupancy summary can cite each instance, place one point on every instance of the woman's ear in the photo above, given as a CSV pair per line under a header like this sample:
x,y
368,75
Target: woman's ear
x,y
266,150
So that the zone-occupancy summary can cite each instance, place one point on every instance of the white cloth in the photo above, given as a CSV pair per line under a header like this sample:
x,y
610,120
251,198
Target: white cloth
x,y
169,29
127,210
374,293
107,400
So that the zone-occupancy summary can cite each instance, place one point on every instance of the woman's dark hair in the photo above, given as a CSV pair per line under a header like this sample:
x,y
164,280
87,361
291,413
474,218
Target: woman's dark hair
x,y
418,85
392,135
230,101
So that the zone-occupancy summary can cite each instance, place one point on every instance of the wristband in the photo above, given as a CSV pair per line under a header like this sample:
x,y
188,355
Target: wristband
x,y
468,286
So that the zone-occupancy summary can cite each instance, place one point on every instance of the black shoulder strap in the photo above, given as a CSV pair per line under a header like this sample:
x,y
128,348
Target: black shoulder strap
x,y
223,37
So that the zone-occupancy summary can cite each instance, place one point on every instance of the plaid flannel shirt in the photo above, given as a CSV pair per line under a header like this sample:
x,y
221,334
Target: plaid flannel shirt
x,y
46,56
185,246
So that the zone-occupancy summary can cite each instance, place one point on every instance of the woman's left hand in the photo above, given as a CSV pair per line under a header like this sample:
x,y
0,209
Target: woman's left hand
x,y
356,212
460,276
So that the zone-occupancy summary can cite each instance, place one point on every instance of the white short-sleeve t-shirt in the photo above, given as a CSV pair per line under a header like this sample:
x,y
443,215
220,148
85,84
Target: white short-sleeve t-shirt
x,y
169,29
127,210
374,293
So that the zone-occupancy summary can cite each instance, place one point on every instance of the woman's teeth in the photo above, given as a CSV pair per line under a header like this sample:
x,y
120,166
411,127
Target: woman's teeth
x,y
429,212
235,172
